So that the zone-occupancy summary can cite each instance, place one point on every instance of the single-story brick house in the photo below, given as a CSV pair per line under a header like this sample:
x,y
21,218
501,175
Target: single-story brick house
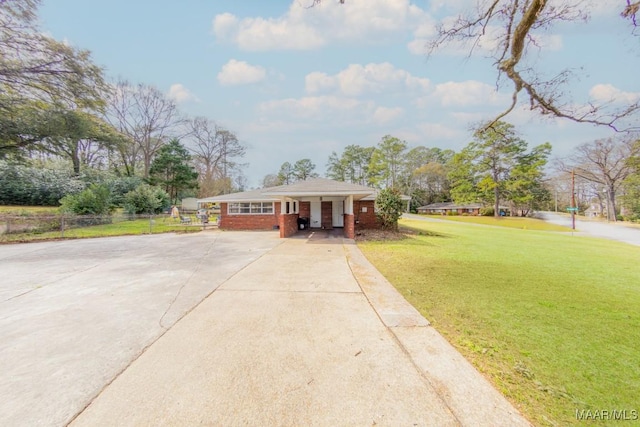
x,y
450,208
446,207
315,203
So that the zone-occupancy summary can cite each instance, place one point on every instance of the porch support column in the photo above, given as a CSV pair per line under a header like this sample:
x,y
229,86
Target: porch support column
x,y
288,222
349,219
348,205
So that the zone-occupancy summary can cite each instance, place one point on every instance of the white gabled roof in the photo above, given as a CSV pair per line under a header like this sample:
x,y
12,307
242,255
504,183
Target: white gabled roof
x,y
319,187
310,188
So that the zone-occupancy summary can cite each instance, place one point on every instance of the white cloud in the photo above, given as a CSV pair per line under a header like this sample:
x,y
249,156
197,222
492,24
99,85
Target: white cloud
x,y
314,107
383,115
356,80
180,94
302,28
609,93
316,111
237,72
467,93
319,82
258,34
225,26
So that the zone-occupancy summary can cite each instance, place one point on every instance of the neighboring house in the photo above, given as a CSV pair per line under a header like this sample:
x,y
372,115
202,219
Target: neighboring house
x,y
446,207
595,211
315,203
189,204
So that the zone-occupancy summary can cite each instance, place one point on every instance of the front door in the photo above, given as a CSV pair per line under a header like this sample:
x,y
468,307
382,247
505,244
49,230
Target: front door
x,y
337,210
316,214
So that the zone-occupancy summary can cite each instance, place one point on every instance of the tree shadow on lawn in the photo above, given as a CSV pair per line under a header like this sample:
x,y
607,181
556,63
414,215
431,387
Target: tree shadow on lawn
x,y
408,231
403,233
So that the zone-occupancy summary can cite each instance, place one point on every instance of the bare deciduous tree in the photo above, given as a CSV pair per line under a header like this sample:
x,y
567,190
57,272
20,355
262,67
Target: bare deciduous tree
x,y
603,163
213,148
202,134
145,115
514,26
517,24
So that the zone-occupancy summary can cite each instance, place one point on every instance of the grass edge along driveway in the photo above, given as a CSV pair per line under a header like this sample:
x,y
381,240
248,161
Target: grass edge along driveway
x,y
551,319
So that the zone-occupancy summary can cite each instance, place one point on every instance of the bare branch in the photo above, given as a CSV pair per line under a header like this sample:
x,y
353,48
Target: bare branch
x,y
631,11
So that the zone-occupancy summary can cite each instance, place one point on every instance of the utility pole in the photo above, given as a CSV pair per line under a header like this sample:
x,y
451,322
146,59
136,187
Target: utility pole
x,y
573,199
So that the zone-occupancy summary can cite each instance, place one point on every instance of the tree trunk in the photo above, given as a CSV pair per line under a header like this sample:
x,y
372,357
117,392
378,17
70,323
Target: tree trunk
x,y
496,194
75,158
611,203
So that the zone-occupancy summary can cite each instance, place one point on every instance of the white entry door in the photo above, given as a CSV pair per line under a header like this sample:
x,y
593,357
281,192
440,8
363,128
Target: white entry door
x,y
337,210
316,214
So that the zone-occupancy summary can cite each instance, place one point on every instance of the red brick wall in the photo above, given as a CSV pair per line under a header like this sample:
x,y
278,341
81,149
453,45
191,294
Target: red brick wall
x,y
248,222
349,226
327,218
366,219
305,209
288,225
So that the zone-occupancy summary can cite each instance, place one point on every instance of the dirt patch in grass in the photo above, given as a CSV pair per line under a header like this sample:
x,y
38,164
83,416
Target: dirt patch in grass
x,y
379,235
389,236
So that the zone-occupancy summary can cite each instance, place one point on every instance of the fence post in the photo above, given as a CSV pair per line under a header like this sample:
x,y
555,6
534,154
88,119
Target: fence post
x,y
150,223
62,226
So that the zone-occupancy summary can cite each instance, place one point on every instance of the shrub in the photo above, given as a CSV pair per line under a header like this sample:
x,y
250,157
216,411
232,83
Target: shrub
x,y
25,185
95,200
146,199
389,207
487,211
121,186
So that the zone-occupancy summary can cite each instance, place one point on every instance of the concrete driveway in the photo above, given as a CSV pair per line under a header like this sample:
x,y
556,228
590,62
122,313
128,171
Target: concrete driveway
x,y
299,331
74,314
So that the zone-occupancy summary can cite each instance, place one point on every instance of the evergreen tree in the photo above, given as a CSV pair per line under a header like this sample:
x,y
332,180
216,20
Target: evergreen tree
x,y
172,171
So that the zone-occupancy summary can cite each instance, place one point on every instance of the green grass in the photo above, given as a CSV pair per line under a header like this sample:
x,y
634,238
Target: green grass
x,y
117,228
28,210
510,222
551,319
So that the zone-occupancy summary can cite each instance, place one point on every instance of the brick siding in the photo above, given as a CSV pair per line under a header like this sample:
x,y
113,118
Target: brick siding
x,y
246,221
327,215
366,219
305,209
288,225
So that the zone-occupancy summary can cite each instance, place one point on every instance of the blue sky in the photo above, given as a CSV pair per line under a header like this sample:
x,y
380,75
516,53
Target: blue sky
x,y
298,83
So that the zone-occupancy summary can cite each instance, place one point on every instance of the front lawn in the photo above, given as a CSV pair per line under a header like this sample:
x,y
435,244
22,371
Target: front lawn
x,y
507,221
551,319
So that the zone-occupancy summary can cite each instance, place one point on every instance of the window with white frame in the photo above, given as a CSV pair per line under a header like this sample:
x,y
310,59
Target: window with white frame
x,y
251,208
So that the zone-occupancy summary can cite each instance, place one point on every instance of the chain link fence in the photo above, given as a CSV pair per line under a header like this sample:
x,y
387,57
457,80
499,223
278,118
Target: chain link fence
x,y
15,228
